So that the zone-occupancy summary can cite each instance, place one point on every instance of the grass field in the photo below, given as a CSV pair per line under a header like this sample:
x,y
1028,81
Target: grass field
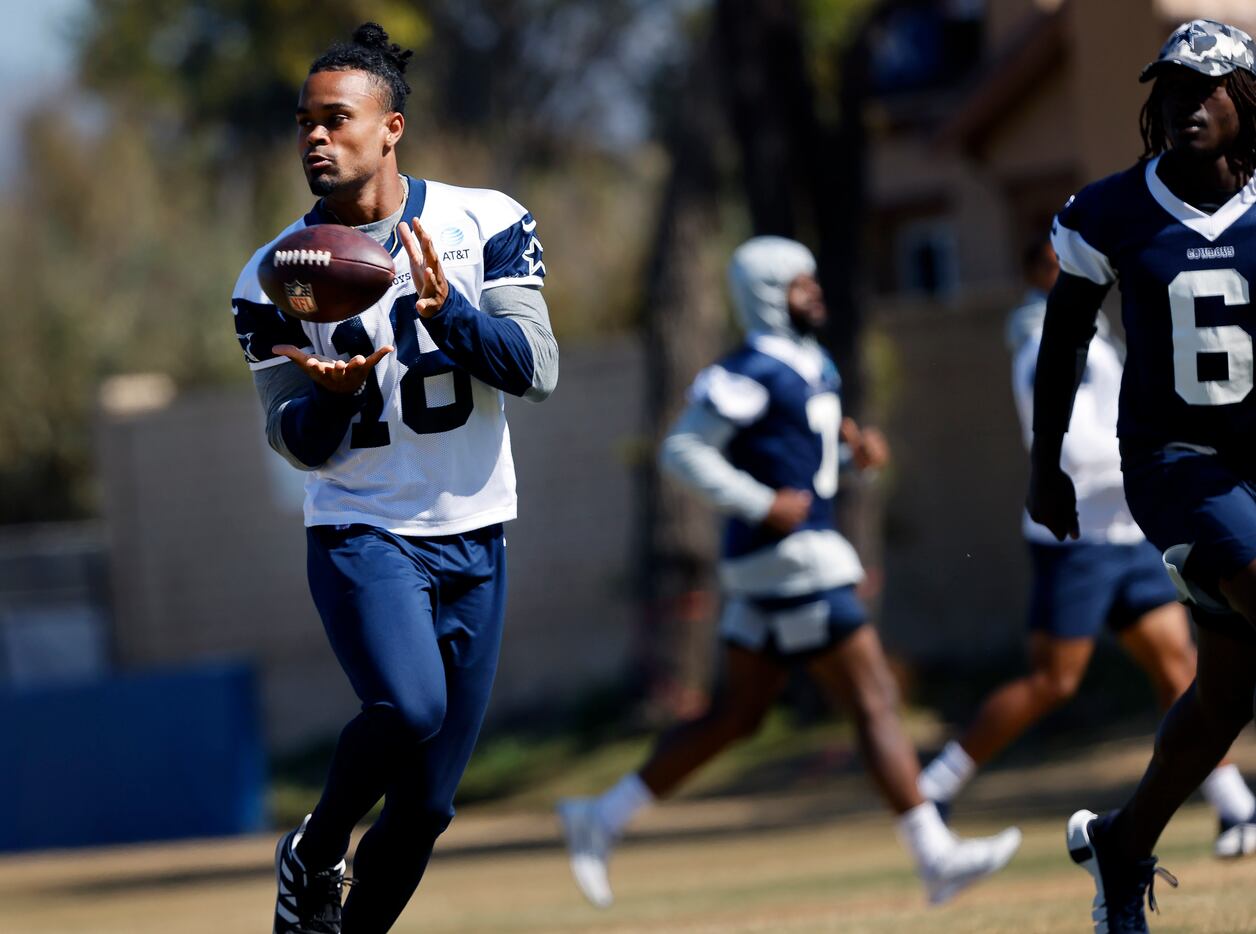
x,y
821,857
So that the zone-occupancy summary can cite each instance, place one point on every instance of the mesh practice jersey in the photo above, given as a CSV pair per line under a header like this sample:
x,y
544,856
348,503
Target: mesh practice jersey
x,y
429,454
1186,303
783,396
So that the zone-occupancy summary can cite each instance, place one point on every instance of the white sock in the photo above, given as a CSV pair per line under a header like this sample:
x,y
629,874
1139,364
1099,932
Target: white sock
x,y
1228,794
925,835
623,801
942,779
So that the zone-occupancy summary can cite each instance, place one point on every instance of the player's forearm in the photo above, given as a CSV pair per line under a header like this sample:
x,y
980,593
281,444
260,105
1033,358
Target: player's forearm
x,y
494,350
313,425
1067,330
692,454
304,423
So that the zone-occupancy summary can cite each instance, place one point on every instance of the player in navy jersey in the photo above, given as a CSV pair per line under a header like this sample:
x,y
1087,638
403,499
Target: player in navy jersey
x,y
760,441
1109,576
1177,229
398,417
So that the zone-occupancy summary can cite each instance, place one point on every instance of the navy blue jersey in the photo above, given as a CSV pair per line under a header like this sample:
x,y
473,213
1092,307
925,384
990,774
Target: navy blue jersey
x,y
1186,304
784,399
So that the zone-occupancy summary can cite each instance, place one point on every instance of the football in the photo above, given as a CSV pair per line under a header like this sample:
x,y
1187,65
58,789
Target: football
x,y
326,273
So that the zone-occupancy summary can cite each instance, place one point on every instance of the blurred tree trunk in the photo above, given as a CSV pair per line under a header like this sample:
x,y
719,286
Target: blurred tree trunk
x,y
803,177
684,325
840,172
769,104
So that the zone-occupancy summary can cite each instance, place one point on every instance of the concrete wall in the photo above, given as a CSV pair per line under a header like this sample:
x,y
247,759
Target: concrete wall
x,y
954,560
208,549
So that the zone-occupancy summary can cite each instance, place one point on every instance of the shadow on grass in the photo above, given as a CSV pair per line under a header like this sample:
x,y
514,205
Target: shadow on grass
x,y
795,792
801,769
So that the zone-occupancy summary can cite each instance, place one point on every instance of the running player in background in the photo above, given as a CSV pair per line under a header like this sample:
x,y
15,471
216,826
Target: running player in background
x,y
1178,230
398,415
760,442
1110,574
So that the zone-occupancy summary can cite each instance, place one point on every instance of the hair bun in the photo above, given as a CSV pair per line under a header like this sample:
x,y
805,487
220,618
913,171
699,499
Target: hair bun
x,y
373,36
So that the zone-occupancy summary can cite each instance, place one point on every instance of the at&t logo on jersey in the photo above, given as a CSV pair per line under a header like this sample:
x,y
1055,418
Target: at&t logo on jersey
x,y
300,297
451,239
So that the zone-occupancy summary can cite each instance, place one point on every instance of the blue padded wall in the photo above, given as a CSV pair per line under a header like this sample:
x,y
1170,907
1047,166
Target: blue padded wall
x,y
142,757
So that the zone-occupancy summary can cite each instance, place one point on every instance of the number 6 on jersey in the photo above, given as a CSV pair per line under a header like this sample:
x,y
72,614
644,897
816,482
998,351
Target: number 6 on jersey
x,y
1191,342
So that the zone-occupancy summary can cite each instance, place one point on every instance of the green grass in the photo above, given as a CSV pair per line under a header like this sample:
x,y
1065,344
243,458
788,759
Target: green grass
x,y
812,850
585,747
521,769
695,866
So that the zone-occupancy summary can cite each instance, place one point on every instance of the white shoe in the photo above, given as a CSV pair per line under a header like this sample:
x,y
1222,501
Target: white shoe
x,y
589,846
967,862
1236,839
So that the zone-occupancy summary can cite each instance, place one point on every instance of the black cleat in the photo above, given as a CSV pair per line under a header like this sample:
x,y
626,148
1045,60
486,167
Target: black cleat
x,y
1120,887
307,903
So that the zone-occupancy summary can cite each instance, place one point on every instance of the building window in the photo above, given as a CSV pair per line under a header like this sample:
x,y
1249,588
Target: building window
x,y
926,260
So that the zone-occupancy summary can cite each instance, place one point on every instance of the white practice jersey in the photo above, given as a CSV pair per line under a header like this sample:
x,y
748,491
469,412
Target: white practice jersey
x,y
430,452
1090,454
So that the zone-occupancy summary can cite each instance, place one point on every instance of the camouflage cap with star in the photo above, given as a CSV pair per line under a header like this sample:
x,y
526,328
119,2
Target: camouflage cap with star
x,y
1206,46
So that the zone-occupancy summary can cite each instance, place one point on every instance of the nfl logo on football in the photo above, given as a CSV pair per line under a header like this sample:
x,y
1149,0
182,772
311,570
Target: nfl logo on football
x,y
301,297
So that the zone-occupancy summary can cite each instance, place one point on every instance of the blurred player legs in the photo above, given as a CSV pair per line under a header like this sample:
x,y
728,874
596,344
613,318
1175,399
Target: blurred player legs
x,y
762,441
1187,409
1160,642
1109,576
854,674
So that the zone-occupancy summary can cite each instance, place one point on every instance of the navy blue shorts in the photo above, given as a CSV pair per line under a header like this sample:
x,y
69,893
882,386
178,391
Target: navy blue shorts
x,y
1077,588
792,626
1180,496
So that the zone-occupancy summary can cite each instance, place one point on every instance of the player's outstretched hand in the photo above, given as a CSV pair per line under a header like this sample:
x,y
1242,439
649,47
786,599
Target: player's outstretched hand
x,y
1052,500
788,511
425,264
346,376
868,447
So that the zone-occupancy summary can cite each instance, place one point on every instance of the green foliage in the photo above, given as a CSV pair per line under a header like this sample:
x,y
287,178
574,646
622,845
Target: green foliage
x,y
125,264
830,27
222,70
143,197
123,240
112,266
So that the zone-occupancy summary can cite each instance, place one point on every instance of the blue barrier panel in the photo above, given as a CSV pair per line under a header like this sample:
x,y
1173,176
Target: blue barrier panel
x,y
142,757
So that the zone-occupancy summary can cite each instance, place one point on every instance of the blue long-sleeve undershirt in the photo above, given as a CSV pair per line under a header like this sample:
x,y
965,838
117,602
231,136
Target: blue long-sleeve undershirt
x,y
494,350
1069,325
306,424
314,423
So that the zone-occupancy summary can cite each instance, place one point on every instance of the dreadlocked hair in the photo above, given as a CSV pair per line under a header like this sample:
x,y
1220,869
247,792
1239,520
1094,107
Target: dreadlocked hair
x,y
370,51
1240,84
